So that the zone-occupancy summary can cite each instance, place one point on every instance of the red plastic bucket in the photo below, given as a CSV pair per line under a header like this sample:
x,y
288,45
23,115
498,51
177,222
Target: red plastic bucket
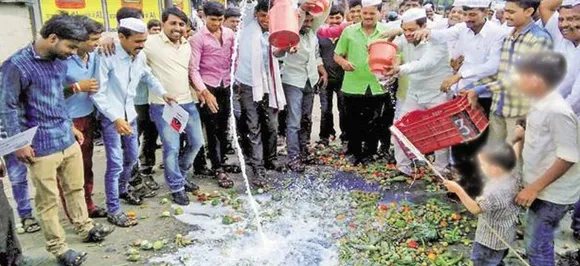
x,y
381,53
283,25
320,6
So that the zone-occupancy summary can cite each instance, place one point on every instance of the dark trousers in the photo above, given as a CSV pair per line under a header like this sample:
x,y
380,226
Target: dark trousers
x,y
465,158
10,250
240,125
363,116
282,126
147,129
216,125
484,256
262,124
86,126
327,115
387,117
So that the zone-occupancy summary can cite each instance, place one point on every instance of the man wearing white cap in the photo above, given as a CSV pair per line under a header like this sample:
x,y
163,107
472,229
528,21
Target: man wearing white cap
x,y
479,42
363,95
119,76
426,67
559,18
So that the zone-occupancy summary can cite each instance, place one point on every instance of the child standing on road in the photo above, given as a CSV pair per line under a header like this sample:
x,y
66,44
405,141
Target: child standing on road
x,y
496,204
551,151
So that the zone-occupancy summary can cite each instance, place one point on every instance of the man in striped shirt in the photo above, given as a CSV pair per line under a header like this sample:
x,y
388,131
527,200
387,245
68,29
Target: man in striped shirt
x,y
32,96
508,105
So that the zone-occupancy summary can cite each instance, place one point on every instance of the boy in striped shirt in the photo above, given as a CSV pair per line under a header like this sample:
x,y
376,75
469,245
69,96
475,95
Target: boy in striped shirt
x,y
496,204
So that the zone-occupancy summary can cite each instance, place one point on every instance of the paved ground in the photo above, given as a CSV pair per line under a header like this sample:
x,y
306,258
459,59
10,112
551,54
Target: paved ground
x,y
152,227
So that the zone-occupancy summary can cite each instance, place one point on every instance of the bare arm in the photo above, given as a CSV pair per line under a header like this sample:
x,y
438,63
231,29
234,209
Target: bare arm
x,y
548,8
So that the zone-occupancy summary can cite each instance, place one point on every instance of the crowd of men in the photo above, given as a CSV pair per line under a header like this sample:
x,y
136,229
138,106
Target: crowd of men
x,y
75,79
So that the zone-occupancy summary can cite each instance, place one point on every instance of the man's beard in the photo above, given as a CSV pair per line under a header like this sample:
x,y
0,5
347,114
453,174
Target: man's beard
x,y
303,31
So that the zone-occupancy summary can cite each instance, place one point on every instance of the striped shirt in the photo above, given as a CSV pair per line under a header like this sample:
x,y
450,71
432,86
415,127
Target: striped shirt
x,y
32,95
498,211
506,100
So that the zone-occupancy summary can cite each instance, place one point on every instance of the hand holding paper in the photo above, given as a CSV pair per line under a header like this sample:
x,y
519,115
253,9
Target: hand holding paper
x,y
175,116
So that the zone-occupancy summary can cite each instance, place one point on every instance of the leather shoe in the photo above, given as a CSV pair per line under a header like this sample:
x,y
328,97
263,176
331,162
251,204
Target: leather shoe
x,y
190,187
274,166
180,198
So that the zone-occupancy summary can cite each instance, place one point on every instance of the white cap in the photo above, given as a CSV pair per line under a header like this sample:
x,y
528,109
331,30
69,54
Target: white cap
x,y
498,5
413,14
367,3
571,3
428,6
458,3
133,24
477,3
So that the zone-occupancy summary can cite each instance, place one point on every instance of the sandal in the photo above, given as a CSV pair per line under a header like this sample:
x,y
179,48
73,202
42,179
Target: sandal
x,y
121,220
230,168
150,182
223,180
98,212
259,180
98,233
72,258
30,225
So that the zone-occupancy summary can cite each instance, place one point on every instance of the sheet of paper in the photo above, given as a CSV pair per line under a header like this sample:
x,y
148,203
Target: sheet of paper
x,y
17,141
175,116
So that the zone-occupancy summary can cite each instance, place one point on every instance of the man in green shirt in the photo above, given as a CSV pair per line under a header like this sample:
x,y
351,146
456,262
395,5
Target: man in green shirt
x,y
363,95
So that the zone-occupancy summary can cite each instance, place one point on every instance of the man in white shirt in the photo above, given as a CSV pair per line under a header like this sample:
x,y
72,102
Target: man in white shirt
x,y
559,18
119,76
479,42
300,76
426,66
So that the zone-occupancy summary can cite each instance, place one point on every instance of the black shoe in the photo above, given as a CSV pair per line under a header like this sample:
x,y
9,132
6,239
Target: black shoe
x,y
230,150
98,233
203,171
295,165
180,198
274,166
72,258
190,187
259,180
131,198
143,191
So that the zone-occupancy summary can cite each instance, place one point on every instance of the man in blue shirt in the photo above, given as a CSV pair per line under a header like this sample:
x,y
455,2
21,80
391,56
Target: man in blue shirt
x,y
79,83
32,96
119,76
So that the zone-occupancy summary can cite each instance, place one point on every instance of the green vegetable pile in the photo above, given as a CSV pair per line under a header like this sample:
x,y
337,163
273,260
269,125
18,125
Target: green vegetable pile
x,y
431,233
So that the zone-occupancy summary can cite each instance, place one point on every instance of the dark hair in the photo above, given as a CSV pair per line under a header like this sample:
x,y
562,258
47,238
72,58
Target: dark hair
x,y
127,32
173,11
336,9
353,3
153,23
263,6
129,12
525,4
92,26
549,65
65,27
466,8
232,12
500,154
421,21
214,9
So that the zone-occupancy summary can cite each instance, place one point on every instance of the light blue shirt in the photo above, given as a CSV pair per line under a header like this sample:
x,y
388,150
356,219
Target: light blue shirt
x,y
142,94
244,71
80,104
119,76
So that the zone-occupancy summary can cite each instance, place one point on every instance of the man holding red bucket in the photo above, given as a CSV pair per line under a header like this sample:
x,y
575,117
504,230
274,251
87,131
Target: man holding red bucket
x,y
363,95
426,68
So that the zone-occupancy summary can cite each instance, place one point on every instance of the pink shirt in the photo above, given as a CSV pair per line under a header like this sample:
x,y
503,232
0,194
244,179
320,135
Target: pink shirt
x,y
332,32
211,61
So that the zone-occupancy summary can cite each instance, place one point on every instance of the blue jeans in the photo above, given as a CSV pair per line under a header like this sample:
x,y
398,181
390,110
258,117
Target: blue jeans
x,y
576,218
177,164
122,155
299,119
17,175
484,256
542,220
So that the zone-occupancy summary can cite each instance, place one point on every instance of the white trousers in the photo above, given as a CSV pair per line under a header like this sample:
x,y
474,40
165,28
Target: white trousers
x,y
441,156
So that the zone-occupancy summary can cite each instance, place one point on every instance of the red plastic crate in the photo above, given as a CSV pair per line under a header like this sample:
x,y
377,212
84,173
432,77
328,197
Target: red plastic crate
x,y
443,126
